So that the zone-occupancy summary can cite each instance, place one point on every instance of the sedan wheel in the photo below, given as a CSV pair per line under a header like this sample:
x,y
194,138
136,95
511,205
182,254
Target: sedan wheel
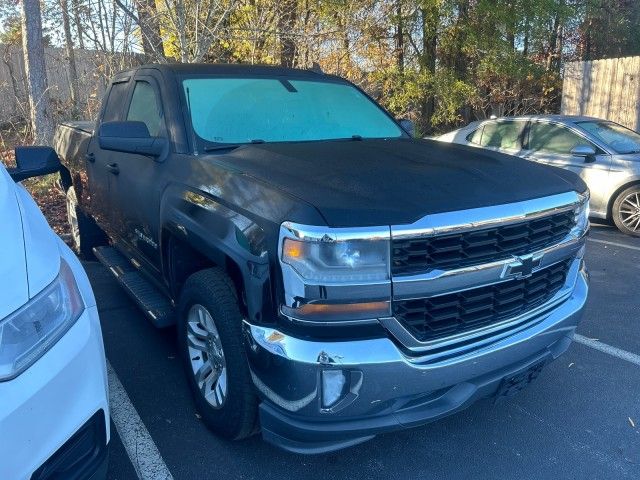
x,y
626,211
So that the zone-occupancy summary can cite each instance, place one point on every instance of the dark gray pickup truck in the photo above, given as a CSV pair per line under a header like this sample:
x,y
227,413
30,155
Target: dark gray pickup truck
x,y
331,278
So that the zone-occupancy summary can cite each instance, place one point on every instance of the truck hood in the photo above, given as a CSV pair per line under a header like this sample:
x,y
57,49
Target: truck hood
x,y
393,182
30,258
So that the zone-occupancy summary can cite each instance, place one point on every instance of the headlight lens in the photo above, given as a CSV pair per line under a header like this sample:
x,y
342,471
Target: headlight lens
x,y
338,261
29,332
582,213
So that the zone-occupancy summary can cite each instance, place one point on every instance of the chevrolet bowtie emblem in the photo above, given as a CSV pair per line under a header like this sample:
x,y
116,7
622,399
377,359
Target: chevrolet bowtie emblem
x,y
522,267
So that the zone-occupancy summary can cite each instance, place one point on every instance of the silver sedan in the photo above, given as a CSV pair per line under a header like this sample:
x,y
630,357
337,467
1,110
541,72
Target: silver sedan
x,y
606,155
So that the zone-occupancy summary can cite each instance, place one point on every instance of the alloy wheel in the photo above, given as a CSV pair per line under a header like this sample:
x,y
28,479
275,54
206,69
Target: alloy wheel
x,y
72,219
629,211
206,356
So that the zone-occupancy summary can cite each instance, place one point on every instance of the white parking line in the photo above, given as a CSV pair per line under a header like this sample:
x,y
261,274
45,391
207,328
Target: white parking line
x,y
608,349
140,447
613,244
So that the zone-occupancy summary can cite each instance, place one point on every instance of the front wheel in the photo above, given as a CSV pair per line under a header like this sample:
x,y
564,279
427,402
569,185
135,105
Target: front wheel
x,y
210,340
626,211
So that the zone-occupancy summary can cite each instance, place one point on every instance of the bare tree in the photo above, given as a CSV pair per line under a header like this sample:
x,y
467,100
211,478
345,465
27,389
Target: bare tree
x,y
36,73
150,27
286,23
71,58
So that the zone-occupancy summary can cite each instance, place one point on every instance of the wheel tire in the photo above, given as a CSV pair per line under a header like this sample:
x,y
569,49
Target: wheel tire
x,y
626,211
85,233
236,416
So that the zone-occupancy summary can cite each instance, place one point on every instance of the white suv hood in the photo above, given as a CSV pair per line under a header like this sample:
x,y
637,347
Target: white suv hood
x,y
29,254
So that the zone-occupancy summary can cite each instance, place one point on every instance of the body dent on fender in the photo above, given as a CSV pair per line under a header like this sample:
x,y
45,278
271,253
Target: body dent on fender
x,y
218,233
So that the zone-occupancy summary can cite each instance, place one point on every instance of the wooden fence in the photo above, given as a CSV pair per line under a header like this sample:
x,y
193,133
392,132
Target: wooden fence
x,y
608,89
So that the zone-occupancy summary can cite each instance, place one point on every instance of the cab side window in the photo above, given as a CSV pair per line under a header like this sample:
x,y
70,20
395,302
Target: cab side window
x,y
114,107
145,107
552,138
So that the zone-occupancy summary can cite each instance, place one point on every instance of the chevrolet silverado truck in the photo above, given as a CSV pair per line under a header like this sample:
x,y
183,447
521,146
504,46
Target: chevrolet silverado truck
x,y
330,277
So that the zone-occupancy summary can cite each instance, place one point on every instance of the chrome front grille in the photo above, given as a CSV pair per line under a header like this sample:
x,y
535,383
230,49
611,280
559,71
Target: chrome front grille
x,y
461,278
452,314
462,249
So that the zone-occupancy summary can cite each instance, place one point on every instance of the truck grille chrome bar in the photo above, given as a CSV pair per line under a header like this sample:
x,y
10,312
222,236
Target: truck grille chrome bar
x,y
476,247
465,277
452,314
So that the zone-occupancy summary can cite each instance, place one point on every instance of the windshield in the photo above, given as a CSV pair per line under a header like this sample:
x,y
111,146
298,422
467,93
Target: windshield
x,y
615,136
243,110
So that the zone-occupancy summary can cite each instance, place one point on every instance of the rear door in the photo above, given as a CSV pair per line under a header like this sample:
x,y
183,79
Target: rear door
x,y
99,172
551,143
136,190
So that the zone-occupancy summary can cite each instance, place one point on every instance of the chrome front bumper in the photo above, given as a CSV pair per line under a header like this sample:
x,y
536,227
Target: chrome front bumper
x,y
387,389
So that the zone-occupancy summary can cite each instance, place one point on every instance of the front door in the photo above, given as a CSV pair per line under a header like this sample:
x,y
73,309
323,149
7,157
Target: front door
x,y
551,144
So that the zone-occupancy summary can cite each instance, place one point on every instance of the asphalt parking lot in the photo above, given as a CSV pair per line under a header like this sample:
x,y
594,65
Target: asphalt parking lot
x,y
579,420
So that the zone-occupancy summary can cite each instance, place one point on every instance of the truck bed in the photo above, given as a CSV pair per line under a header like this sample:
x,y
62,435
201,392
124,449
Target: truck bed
x,y
70,142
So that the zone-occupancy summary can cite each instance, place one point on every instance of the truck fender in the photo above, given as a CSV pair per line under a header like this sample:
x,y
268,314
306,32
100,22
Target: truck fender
x,y
219,234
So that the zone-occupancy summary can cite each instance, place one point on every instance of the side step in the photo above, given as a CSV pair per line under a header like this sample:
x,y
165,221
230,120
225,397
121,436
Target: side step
x,y
152,301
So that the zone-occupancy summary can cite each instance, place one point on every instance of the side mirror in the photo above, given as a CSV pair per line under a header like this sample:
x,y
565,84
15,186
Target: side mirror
x,y
34,162
586,151
408,126
130,137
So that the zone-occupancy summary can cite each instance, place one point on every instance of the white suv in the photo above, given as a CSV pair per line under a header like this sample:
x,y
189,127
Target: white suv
x,y
54,415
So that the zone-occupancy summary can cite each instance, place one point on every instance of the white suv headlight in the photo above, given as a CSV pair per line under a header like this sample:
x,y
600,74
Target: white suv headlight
x,y
26,334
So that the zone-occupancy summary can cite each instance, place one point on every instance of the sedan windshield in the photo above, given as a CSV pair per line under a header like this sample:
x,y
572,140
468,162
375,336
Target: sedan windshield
x,y
245,110
618,138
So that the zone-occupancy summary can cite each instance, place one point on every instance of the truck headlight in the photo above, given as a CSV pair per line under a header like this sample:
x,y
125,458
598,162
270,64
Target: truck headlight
x,y
335,275
582,213
26,334
338,261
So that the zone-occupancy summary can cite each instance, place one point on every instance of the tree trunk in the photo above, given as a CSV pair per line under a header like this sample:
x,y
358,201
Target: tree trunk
x,y
525,42
150,28
555,43
399,37
286,24
460,59
75,5
68,43
36,73
430,15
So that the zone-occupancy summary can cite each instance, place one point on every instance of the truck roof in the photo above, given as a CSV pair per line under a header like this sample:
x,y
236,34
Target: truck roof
x,y
225,69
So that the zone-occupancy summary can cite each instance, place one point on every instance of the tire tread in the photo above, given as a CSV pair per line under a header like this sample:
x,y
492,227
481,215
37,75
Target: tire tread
x,y
214,284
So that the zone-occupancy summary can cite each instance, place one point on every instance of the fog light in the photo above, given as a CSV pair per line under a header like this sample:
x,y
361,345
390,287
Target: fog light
x,y
333,382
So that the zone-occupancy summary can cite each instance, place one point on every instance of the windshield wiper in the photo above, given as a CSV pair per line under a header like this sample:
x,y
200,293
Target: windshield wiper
x,y
230,146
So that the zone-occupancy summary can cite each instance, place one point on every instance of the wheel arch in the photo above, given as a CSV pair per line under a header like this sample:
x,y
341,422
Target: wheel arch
x,y
66,180
198,233
617,192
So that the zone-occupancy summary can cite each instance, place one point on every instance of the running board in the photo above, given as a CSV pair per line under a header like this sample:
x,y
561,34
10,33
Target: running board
x,y
149,298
